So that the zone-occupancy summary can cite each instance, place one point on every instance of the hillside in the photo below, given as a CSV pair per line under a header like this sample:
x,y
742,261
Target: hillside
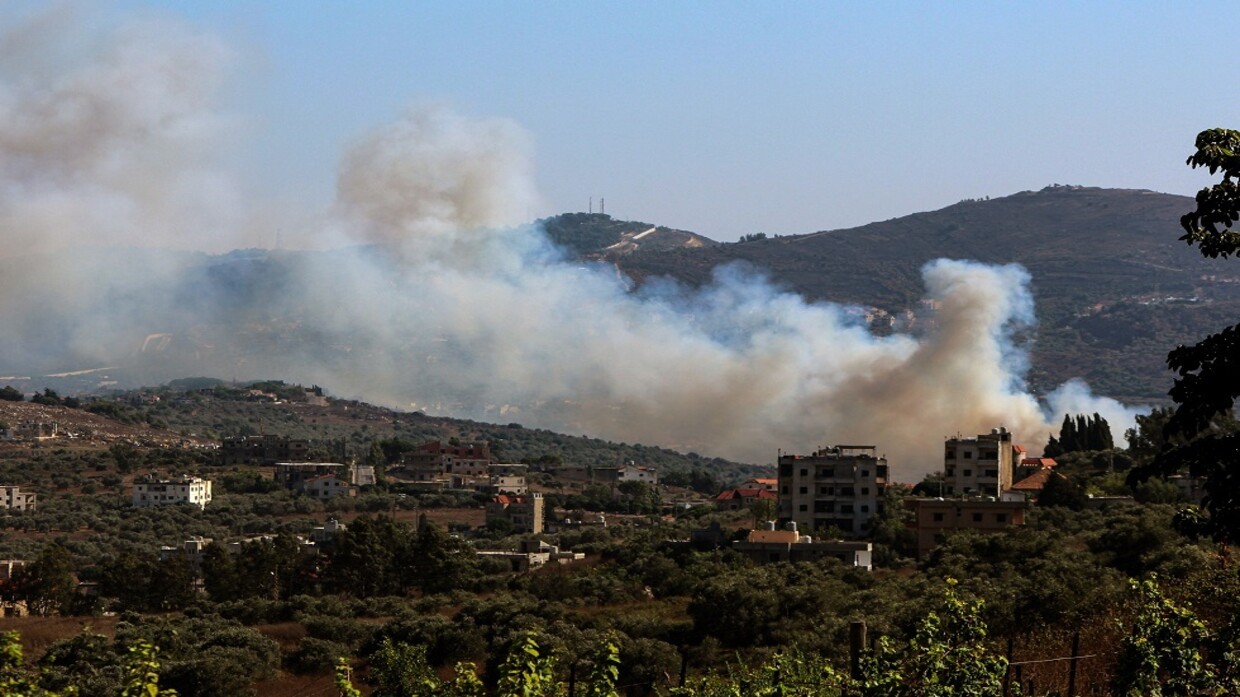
x,y
163,416
1115,289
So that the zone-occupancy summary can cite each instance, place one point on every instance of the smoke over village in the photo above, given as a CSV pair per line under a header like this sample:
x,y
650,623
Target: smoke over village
x,y
616,349
421,286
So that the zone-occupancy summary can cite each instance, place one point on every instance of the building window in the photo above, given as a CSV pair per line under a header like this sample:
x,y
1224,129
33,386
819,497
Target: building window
x,y
968,473
977,517
951,471
865,473
804,507
804,473
804,490
1000,517
785,490
992,473
968,454
938,517
865,491
865,509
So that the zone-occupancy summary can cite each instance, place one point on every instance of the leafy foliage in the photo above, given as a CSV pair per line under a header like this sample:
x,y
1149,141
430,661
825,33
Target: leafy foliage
x,y
1208,373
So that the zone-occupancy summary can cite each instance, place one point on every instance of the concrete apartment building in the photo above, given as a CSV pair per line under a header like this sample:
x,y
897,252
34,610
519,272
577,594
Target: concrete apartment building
x,y
934,518
263,450
840,487
980,466
13,498
150,491
469,459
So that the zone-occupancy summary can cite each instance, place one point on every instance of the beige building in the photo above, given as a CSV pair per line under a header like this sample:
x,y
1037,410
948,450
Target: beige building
x,y
192,549
532,554
165,492
524,512
981,466
327,486
13,498
636,473
934,518
770,545
839,487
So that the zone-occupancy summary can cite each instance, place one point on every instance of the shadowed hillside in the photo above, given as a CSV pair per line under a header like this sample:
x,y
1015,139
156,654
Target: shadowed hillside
x,y
1114,287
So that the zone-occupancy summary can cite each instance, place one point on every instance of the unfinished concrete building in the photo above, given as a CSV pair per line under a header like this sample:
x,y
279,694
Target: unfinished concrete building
x,y
839,487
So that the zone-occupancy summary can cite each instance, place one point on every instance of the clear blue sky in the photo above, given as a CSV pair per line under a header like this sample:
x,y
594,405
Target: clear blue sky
x,y
730,117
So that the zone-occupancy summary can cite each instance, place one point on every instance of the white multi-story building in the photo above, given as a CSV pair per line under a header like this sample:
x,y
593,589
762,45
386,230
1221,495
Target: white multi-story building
x,y
160,492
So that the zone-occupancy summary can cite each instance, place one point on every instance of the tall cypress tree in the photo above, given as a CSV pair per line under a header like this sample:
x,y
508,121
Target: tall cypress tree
x,y
1067,435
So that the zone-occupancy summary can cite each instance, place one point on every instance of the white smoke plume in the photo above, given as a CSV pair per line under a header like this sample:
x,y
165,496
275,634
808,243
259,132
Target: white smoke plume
x,y
445,308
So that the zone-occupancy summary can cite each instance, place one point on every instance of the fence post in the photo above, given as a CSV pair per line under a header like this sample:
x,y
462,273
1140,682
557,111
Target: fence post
x,y
856,644
1007,673
1076,650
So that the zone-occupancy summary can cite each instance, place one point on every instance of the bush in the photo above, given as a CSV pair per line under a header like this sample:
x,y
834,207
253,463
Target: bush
x,y
315,656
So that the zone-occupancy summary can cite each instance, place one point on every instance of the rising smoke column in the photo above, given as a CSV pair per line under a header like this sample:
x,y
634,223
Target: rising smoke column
x,y
432,294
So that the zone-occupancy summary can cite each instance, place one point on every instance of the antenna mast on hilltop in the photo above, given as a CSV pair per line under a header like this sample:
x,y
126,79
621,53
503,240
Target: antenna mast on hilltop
x,y
602,206
591,205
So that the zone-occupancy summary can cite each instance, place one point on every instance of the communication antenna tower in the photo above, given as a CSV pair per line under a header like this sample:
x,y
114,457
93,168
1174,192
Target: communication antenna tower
x,y
591,205
602,206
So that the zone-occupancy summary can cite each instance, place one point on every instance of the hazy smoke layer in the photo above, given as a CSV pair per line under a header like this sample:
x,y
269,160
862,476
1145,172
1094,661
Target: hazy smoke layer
x,y
446,309
110,147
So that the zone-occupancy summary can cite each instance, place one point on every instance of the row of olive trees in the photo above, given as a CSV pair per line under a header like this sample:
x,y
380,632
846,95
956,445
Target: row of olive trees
x,y
1168,652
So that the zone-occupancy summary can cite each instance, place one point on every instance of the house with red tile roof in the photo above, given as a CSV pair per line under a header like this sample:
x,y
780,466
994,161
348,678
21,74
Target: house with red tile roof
x,y
524,512
738,499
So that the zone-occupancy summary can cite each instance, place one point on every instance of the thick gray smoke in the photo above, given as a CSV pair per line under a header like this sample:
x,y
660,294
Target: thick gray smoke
x,y
448,304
